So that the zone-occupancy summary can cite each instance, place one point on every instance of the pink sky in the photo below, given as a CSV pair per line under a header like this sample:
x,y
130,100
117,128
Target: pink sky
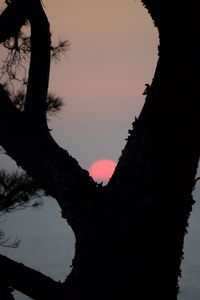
x,y
113,54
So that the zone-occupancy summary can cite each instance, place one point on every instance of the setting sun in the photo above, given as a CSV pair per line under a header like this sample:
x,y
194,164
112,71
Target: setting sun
x,y
102,170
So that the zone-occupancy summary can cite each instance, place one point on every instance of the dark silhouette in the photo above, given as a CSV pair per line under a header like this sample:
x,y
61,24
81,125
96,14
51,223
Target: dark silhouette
x,y
129,234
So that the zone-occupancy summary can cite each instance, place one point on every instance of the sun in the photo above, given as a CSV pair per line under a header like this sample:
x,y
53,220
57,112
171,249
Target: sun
x,y
102,170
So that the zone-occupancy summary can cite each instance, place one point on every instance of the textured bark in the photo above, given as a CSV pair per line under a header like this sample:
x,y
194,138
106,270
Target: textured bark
x,y
129,234
33,150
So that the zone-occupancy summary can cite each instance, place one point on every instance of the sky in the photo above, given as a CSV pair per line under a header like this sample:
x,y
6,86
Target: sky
x,y
101,79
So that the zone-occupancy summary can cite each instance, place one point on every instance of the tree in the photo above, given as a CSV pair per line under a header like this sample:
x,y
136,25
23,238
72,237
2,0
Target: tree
x,y
129,234
17,189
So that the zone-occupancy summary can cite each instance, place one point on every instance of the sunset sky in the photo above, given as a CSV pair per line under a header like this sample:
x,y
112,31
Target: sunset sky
x,y
101,79
112,55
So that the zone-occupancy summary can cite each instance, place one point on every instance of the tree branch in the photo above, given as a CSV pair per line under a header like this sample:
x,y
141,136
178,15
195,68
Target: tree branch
x,y
31,148
11,21
178,60
57,172
28,281
38,80
7,112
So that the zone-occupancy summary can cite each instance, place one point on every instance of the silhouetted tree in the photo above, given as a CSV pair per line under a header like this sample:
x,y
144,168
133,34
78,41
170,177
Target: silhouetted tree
x,y
129,234
17,189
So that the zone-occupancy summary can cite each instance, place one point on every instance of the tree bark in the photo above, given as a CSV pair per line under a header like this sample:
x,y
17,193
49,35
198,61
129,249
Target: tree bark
x,y
28,281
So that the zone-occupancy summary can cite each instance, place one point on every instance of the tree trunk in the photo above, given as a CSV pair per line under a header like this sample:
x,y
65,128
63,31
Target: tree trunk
x,y
148,200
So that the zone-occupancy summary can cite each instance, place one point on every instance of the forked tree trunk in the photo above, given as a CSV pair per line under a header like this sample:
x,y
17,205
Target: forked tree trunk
x,y
145,207
147,203
129,234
